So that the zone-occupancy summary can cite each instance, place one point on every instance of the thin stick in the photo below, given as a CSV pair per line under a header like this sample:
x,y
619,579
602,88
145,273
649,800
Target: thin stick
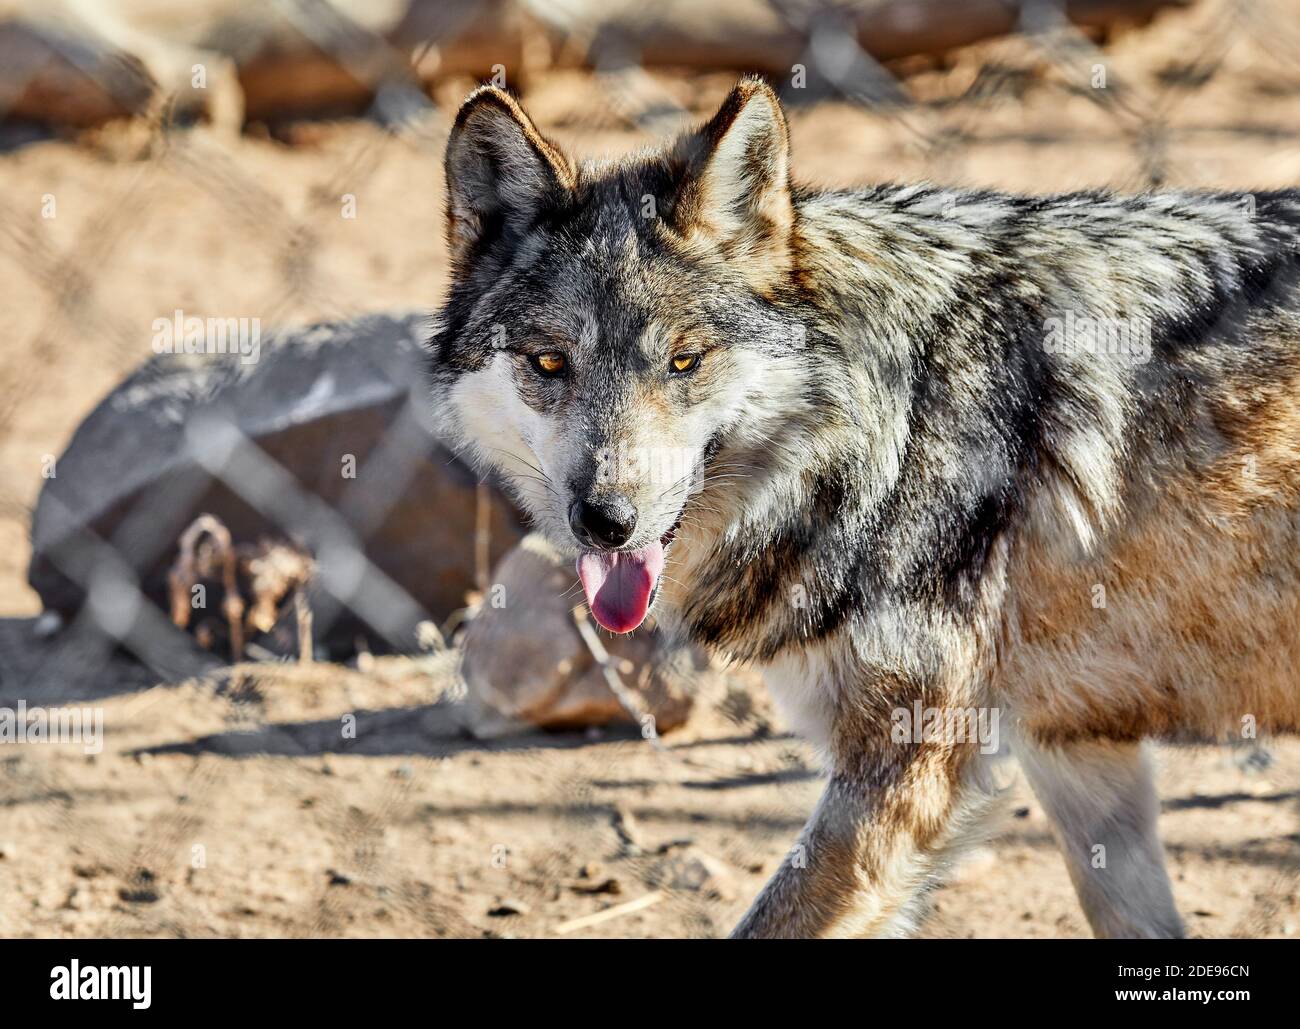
x,y
628,700
303,610
482,536
618,910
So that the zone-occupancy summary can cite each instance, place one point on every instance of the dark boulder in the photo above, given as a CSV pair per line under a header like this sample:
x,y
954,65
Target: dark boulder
x,y
323,441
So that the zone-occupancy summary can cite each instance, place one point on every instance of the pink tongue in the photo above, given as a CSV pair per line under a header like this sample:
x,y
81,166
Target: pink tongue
x,y
618,585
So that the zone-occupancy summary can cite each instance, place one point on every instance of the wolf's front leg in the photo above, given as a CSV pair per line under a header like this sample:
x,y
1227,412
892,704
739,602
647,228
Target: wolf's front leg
x,y
881,835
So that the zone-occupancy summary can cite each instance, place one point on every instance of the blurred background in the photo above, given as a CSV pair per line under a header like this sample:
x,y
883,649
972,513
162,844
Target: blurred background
x,y
368,743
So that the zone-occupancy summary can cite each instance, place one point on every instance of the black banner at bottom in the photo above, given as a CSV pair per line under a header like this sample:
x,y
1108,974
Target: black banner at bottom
x,y
147,978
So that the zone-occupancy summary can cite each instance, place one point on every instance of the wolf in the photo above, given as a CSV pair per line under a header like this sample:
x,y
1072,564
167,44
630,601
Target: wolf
x,y
934,450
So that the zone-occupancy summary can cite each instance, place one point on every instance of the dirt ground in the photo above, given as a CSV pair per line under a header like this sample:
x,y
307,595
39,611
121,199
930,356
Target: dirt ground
x,y
241,811
236,807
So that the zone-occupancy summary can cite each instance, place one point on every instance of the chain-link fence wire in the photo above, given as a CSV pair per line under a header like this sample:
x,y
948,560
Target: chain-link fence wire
x,y
940,130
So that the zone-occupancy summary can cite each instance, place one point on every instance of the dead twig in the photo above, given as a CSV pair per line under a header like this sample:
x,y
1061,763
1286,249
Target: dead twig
x,y
302,610
618,910
482,536
628,700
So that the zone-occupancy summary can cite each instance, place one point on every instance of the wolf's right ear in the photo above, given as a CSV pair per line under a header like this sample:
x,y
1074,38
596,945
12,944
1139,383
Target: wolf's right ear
x,y
500,170
735,178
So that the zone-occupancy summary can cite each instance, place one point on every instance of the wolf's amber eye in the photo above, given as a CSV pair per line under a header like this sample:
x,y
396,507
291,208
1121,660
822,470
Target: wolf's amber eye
x,y
549,364
685,362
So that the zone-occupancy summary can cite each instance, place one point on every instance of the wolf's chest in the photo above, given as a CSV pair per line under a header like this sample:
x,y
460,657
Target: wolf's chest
x,y
804,693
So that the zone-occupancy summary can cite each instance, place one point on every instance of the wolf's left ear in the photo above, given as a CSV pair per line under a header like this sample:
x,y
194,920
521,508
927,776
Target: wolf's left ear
x,y
500,170
736,179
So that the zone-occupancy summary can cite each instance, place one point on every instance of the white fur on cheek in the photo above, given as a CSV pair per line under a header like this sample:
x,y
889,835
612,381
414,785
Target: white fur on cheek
x,y
499,429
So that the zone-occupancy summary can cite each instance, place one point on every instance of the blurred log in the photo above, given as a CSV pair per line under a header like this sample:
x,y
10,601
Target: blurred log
x,y
79,64
770,35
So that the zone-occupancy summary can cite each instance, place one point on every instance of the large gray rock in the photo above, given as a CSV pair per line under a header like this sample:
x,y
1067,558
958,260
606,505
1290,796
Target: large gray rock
x,y
265,446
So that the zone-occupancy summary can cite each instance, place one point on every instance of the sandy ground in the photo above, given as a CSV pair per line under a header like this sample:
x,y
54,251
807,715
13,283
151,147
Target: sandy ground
x,y
240,809
237,807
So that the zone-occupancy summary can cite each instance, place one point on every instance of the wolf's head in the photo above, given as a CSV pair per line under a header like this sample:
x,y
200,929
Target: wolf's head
x,y
614,330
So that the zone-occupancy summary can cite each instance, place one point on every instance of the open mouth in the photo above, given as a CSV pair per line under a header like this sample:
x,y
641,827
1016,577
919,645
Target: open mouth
x,y
620,585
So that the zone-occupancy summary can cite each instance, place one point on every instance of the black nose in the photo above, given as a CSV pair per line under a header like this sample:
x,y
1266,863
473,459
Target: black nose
x,y
609,523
